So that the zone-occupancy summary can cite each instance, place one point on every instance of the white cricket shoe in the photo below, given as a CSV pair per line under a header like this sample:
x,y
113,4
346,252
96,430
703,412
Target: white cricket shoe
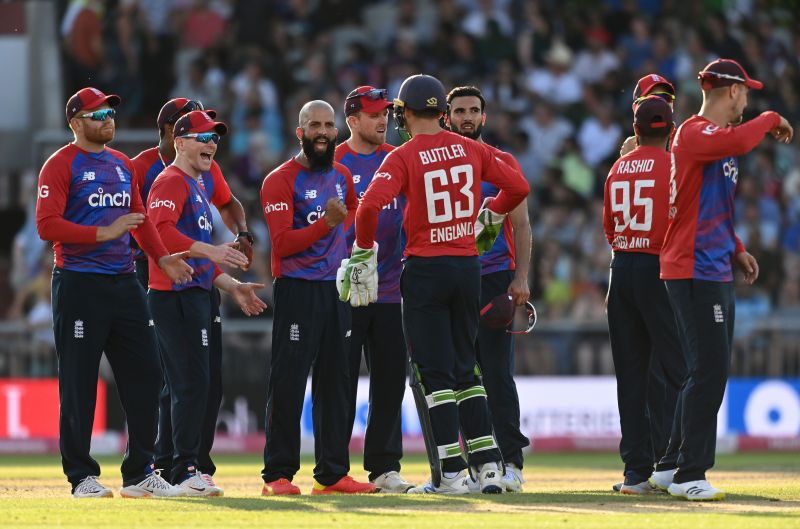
x,y
700,490
454,485
152,485
662,479
208,478
197,485
392,482
512,479
490,478
639,489
89,487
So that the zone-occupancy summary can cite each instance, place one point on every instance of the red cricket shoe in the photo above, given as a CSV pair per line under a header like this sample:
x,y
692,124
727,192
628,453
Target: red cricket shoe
x,y
280,487
346,485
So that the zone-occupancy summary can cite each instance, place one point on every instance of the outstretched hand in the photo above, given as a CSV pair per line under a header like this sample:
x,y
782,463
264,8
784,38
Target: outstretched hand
x,y
245,296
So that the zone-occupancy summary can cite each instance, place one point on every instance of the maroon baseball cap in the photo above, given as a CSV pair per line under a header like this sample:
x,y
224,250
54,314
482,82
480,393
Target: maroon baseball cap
x,y
175,108
366,99
87,99
652,114
646,84
198,121
725,72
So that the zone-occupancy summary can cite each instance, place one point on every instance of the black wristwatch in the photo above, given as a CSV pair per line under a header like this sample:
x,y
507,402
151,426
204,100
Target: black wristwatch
x,y
247,235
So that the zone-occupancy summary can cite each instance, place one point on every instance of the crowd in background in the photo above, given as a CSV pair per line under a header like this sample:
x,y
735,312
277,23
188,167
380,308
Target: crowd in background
x,y
558,78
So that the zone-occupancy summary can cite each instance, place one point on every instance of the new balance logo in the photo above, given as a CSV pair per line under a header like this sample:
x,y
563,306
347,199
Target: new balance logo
x,y
88,176
356,178
718,317
198,198
294,332
204,337
310,194
78,333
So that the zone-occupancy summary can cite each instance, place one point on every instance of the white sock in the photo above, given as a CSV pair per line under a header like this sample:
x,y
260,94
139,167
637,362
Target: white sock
x,y
451,475
489,466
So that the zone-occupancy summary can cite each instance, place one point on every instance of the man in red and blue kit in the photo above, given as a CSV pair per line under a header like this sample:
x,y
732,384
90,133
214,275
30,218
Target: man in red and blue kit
x,y
309,203
183,314
378,328
440,174
504,268
88,205
700,248
149,164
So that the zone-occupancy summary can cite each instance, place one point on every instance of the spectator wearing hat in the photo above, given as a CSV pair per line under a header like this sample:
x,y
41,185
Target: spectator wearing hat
x,y
88,205
149,164
183,315
556,84
699,252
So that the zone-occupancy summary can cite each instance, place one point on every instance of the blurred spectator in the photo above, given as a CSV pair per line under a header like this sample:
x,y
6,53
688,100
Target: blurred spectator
x,y
599,136
82,31
556,83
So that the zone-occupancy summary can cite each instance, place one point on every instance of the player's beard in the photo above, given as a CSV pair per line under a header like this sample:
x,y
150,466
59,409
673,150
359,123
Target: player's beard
x,y
316,160
100,135
473,135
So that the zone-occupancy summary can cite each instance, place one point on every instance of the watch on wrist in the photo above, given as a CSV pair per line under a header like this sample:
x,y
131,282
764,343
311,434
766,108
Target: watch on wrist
x,y
247,235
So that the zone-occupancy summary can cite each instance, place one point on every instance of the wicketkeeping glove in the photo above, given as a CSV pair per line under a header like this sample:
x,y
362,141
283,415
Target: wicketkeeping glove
x,y
357,277
487,227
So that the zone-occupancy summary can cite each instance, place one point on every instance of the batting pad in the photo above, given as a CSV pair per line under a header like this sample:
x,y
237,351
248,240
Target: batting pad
x,y
481,443
474,391
451,450
437,398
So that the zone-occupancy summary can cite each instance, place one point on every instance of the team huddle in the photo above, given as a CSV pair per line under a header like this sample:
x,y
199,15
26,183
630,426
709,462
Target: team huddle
x,y
395,250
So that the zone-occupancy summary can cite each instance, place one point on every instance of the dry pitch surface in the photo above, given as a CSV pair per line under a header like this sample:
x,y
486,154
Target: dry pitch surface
x,y
561,491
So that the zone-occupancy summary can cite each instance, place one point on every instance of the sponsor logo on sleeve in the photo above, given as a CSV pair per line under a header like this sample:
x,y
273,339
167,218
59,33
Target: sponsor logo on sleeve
x,y
160,203
387,176
44,191
278,206
710,129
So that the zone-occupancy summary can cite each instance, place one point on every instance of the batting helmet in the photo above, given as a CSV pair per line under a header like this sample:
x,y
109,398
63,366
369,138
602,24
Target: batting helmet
x,y
420,92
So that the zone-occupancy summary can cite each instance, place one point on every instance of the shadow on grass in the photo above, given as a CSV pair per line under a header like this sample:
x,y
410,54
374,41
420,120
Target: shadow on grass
x,y
588,501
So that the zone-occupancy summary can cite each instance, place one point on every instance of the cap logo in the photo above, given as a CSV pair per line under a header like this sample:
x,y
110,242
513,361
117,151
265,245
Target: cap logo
x,y
432,102
655,78
96,92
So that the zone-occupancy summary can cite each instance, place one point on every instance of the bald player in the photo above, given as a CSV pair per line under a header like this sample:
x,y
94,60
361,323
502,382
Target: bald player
x,y
308,203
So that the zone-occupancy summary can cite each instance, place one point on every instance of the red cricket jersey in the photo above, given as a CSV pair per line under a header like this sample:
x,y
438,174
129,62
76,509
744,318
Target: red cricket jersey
x,y
700,242
440,175
636,201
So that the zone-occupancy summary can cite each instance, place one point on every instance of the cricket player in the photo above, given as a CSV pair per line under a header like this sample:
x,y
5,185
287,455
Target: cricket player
x,y
662,394
149,164
88,205
699,251
308,203
641,323
440,174
377,329
504,268
183,315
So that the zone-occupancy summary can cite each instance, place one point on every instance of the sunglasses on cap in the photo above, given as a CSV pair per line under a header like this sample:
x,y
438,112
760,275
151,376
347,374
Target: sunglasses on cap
x,y
666,96
376,94
190,106
723,76
203,137
99,115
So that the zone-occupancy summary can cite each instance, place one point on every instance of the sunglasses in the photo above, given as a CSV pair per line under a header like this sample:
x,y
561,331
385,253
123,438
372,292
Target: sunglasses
x,y
99,115
666,96
190,106
723,76
376,94
203,137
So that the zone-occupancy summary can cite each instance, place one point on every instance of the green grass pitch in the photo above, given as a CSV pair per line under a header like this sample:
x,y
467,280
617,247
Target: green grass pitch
x,y
562,490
